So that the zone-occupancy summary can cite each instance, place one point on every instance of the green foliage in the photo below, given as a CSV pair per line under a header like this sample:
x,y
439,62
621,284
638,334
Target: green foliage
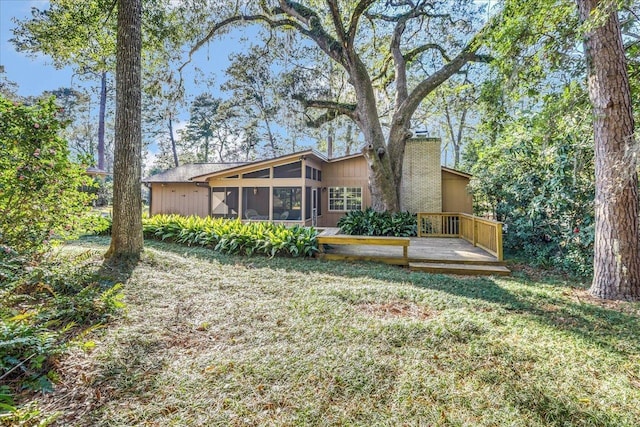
x,y
233,236
372,223
537,176
44,305
40,187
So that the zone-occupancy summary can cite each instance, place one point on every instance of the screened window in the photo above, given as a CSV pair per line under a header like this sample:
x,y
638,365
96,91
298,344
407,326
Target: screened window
x,y
287,203
291,170
308,172
255,203
224,202
262,173
345,198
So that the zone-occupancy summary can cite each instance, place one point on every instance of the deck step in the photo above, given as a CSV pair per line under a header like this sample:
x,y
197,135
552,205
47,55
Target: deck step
x,y
462,269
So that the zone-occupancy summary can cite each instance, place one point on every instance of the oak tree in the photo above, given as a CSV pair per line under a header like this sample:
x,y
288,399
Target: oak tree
x,y
375,44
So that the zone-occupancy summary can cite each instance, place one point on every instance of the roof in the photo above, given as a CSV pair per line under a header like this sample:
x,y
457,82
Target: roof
x,y
456,172
203,176
94,171
184,173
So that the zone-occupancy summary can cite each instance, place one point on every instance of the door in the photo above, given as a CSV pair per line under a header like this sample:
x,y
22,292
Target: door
x,y
314,207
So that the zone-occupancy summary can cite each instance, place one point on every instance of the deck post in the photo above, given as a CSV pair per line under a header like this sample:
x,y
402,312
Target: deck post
x,y
499,254
475,231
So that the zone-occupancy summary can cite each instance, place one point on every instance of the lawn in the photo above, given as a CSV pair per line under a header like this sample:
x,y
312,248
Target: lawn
x,y
214,340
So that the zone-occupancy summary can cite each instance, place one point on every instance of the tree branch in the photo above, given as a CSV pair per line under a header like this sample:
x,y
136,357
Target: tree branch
x,y
360,8
410,56
334,109
426,86
337,20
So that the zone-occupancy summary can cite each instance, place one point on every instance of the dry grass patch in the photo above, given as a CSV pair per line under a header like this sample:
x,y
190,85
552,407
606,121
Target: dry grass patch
x,y
219,340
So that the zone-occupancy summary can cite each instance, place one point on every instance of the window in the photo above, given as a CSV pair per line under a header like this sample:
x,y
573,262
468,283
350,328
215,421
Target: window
x,y
255,203
308,172
291,170
345,198
224,202
262,173
287,202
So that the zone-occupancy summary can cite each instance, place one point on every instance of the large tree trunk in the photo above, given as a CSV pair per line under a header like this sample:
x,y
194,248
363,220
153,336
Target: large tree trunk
x,y
101,118
617,238
126,234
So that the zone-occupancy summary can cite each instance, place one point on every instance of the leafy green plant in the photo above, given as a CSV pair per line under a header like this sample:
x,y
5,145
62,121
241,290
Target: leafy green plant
x,y
44,305
41,193
372,223
233,236
537,177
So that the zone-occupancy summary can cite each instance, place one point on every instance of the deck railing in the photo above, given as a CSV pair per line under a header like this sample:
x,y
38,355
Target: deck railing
x,y
484,233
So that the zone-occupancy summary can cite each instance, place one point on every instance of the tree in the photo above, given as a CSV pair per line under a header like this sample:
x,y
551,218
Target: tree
x,y
617,236
40,186
126,234
395,29
82,33
73,33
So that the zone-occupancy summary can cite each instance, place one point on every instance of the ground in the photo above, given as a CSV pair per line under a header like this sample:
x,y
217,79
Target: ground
x,y
220,340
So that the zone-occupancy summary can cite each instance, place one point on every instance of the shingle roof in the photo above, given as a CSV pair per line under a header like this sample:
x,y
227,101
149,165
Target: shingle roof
x,y
184,173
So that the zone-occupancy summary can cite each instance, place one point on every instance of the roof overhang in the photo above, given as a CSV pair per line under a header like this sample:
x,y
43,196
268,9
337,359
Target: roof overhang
x,y
249,167
456,172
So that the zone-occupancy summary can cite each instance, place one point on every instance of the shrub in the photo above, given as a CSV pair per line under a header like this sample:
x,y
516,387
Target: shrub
x,y
372,223
40,187
233,236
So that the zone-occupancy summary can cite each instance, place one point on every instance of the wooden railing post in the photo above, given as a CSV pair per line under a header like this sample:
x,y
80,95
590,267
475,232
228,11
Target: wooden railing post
x,y
499,241
475,231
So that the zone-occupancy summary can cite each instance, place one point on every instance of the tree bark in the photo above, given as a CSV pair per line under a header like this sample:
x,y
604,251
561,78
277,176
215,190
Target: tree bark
x,y
126,234
617,237
101,117
174,148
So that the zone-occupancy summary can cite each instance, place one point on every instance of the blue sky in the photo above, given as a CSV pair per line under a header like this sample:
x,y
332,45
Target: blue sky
x,y
35,75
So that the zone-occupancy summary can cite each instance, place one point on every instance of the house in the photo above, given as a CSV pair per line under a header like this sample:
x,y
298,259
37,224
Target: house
x,y
306,187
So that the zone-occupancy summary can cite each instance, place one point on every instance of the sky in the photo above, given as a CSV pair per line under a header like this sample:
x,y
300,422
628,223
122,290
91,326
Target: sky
x,y
36,75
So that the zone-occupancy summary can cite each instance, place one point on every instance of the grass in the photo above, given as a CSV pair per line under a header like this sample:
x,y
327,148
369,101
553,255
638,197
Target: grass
x,y
223,340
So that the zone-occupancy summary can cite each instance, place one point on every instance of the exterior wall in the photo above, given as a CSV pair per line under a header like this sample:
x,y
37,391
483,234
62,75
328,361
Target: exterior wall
x,y
421,189
455,194
179,198
351,172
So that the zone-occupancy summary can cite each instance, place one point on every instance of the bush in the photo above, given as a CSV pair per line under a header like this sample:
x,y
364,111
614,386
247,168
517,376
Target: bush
x,y
41,193
372,223
233,236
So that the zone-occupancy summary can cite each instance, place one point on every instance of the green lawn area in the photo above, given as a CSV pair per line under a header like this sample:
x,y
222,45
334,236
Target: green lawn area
x,y
215,340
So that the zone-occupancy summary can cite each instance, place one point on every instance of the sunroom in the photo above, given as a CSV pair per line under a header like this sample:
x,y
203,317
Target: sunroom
x,y
287,189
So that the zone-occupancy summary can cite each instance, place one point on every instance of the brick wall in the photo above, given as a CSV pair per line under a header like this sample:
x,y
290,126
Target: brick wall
x,y
421,176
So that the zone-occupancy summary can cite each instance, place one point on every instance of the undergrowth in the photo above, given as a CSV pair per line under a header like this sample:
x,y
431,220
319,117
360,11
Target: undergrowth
x,y
45,306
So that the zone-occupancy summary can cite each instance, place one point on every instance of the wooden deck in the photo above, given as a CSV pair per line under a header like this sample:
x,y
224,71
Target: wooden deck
x,y
430,254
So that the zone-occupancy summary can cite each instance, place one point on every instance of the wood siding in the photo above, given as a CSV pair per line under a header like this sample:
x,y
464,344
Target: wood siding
x,y
455,193
351,172
179,198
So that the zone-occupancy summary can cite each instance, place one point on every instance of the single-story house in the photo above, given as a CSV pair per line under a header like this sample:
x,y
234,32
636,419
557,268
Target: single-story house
x,y
306,187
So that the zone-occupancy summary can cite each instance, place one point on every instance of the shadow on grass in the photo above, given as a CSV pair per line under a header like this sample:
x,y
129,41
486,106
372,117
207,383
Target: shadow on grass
x,y
550,303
